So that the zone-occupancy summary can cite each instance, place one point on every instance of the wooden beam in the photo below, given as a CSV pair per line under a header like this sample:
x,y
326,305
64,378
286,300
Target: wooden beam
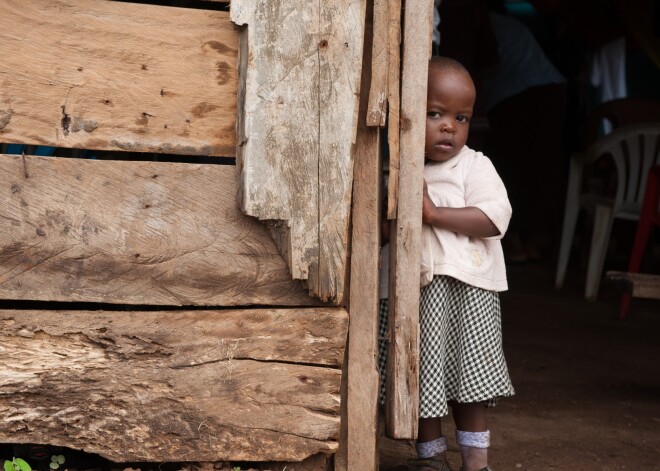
x,y
299,75
405,247
118,76
230,385
363,377
134,233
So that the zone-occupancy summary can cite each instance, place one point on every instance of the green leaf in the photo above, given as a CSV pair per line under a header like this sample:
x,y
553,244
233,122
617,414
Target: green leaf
x,y
9,466
54,465
22,464
60,459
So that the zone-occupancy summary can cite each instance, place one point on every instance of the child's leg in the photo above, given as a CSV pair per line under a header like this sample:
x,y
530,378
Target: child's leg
x,y
431,446
472,434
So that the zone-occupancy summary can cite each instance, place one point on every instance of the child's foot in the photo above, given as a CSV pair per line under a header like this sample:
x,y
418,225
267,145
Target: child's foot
x,y
436,463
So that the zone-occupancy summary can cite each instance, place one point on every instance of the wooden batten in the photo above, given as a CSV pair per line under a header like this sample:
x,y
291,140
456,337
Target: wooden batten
x,y
96,74
134,233
299,77
394,104
358,444
239,385
405,244
378,93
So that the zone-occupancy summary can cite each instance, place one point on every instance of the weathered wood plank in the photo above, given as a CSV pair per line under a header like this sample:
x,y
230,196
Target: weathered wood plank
x,y
378,92
342,23
297,122
118,76
134,233
394,104
238,385
639,285
403,356
363,377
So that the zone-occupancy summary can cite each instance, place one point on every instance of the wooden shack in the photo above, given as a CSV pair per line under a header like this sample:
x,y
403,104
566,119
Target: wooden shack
x,y
200,284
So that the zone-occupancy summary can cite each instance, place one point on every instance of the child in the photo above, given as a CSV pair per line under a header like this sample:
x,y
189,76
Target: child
x,y
465,214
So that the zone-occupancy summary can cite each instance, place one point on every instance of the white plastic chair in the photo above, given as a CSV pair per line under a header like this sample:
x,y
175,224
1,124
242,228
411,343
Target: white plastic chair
x,y
634,149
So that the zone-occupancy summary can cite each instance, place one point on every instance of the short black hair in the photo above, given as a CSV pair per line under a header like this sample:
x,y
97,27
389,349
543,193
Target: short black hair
x,y
444,62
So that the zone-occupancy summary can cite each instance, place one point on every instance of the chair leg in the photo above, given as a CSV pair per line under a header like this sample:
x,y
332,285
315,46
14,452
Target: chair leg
x,y
570,219
567,234
646,220
599,242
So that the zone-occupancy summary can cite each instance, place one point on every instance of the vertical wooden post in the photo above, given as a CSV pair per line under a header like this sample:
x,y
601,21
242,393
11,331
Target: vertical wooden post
x,y
363,378
403,356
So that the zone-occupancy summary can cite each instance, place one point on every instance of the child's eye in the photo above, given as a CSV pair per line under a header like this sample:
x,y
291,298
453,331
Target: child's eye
x,y
433,114
462,119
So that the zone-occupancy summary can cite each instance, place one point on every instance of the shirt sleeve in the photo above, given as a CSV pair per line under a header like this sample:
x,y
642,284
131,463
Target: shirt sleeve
x,y
484,189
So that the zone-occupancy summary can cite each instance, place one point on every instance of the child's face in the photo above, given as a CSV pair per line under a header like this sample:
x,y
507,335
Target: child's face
x,y
449,106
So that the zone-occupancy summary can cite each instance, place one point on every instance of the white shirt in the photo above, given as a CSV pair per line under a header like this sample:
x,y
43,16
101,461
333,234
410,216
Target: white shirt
x,y
468,179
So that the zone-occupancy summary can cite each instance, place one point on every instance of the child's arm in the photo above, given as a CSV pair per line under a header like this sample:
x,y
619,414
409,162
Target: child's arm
x,y
470,221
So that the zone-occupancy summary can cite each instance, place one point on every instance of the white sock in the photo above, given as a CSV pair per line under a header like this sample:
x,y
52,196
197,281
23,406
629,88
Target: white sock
x,y
474,449
432,448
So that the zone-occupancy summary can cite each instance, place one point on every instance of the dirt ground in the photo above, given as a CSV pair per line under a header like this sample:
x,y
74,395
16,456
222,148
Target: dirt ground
x,y
587,385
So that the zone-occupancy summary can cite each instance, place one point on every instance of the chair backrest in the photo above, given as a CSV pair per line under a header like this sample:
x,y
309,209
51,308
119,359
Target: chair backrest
x,y
634,150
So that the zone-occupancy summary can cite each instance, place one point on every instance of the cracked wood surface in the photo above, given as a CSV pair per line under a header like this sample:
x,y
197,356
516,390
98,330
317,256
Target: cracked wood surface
x,y
134,233
240,385
299,88
107,75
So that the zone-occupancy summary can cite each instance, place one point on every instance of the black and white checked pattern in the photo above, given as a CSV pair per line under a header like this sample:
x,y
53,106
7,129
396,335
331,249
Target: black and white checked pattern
x,y
461,357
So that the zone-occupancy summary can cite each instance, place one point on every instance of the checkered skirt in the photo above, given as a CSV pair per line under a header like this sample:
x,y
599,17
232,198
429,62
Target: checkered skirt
x,y
461,357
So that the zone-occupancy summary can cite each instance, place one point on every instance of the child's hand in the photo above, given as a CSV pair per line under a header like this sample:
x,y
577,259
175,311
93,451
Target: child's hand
x,y
428,207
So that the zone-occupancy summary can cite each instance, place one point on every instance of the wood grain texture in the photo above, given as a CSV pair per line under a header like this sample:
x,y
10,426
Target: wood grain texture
x,y
299,77
342,23
394,104
118,76
363,377
403,357
237,385
134,233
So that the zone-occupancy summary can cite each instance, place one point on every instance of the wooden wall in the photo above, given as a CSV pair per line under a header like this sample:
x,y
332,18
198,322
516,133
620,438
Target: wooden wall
x,y
148,375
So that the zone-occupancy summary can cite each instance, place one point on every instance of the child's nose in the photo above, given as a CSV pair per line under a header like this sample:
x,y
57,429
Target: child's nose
x,y
447,126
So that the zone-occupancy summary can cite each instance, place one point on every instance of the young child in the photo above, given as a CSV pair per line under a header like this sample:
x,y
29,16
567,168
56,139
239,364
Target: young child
x,y
465,214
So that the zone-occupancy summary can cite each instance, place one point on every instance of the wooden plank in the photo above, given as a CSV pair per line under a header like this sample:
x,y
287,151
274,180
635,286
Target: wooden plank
x,y
297,123
363,377
394,104
239,385
378,89
639,285
119,76
403,356
134,233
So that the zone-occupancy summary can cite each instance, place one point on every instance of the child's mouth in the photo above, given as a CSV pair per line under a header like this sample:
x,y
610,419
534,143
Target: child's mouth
x,y
444,145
